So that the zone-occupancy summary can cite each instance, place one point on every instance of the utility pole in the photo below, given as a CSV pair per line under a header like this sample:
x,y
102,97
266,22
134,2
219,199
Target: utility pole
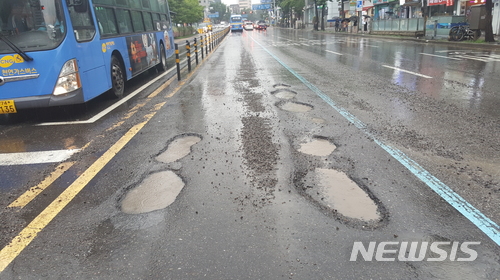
x,y
274,12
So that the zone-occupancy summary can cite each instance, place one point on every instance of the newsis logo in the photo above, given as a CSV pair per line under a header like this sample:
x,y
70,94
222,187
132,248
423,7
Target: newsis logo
x,y
403,251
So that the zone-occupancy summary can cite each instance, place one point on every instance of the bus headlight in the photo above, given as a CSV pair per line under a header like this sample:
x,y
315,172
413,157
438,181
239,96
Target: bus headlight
x,y
69,78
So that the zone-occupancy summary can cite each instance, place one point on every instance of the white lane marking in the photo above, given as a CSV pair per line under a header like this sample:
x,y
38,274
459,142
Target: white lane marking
x,y
112,107
409,72
366,45
474,58
334,52
441,56
36,157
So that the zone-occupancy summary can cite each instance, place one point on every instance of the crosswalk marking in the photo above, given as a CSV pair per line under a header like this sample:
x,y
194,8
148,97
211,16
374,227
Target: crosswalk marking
x,y
441,56
36,157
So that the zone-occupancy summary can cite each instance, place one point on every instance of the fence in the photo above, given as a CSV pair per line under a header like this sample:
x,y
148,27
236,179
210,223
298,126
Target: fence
x,y
198,48
402,24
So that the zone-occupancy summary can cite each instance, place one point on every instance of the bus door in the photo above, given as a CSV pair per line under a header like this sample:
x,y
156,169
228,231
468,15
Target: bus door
x,y
95,73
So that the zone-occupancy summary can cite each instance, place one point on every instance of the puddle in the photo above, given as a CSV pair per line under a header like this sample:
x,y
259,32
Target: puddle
x,y
178,149
317,147
284,93
345,196
296,107
157,191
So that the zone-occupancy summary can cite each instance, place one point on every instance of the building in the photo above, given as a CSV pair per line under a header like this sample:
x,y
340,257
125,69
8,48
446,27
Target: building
x,y
234,9
245,4
206,6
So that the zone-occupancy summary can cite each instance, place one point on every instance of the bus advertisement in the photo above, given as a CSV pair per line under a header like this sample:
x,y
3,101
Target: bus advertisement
x,y
236,23
61,52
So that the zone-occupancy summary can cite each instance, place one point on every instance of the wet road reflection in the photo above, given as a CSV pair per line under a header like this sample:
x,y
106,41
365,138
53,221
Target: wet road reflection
x,y
465,77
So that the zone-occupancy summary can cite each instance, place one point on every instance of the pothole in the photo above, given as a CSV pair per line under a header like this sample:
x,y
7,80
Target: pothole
x,y
284,93
335,191
346,196
178,149
295,107
157,191
281,86
317,147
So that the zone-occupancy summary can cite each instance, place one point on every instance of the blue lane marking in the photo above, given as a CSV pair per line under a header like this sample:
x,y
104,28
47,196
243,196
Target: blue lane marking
x,y
490,228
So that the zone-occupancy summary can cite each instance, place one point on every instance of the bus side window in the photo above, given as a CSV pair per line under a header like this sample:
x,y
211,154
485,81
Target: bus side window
x,y
106,19
123,18
137,21
148,21
83,24
165,22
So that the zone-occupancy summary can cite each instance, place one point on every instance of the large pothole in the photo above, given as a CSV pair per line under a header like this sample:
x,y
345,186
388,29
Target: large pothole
x,y
284,93
295,107
156,191
178,149
317,147
345,196
335,192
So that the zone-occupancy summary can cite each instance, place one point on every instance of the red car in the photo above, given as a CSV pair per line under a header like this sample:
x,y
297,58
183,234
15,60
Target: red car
x,y
261,25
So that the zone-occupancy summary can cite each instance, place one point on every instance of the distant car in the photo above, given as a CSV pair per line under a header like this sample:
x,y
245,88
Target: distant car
x,y
261,25
248,25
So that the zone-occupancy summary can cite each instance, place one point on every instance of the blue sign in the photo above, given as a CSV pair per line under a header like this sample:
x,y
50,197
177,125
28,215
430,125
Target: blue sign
x,y
214,15
359,4
261,7
266,1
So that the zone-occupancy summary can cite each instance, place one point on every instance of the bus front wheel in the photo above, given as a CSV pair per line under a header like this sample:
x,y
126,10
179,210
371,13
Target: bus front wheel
x,y
117,78
162,66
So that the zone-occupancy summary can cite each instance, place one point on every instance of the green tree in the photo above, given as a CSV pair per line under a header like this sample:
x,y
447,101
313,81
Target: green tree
x,y
293,8
186,11
221,8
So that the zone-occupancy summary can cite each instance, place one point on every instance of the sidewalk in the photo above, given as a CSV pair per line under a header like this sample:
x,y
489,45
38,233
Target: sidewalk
x,y
470,44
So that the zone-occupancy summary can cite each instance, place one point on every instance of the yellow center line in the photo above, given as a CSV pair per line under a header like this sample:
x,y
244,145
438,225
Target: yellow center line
x,y
28,234
162,87
30,194
24,238
134,110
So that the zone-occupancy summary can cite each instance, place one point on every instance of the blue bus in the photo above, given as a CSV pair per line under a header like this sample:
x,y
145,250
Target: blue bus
x,y
236,23
61,52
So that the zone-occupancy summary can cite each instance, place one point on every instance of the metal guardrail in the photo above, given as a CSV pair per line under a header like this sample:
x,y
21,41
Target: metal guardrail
x,y
208,43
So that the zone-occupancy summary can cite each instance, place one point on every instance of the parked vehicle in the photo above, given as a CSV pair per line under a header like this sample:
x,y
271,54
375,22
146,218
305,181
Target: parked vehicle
x,y
463,32
204,28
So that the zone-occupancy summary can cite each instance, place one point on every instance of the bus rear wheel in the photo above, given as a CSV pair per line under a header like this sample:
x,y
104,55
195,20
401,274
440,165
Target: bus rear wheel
x,y
117,78
162,66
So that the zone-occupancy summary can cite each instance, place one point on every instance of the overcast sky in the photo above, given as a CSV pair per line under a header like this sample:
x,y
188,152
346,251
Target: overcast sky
x,y
230,2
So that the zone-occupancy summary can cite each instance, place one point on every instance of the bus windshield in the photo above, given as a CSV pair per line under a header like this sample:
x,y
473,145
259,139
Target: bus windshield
x,y
236,19
31,25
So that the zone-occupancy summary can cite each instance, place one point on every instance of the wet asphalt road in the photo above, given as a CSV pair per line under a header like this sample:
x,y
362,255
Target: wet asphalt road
x,y
252,205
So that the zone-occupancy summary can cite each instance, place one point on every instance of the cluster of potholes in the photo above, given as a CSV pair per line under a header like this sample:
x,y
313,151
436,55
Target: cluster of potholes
x,y
160,189
330,189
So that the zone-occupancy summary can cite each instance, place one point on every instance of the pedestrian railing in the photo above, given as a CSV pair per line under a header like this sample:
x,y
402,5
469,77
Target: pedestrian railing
x,y
402,24
199,48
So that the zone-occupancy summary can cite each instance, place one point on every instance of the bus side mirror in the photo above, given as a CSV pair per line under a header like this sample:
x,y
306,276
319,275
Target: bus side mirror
x,y
79,5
